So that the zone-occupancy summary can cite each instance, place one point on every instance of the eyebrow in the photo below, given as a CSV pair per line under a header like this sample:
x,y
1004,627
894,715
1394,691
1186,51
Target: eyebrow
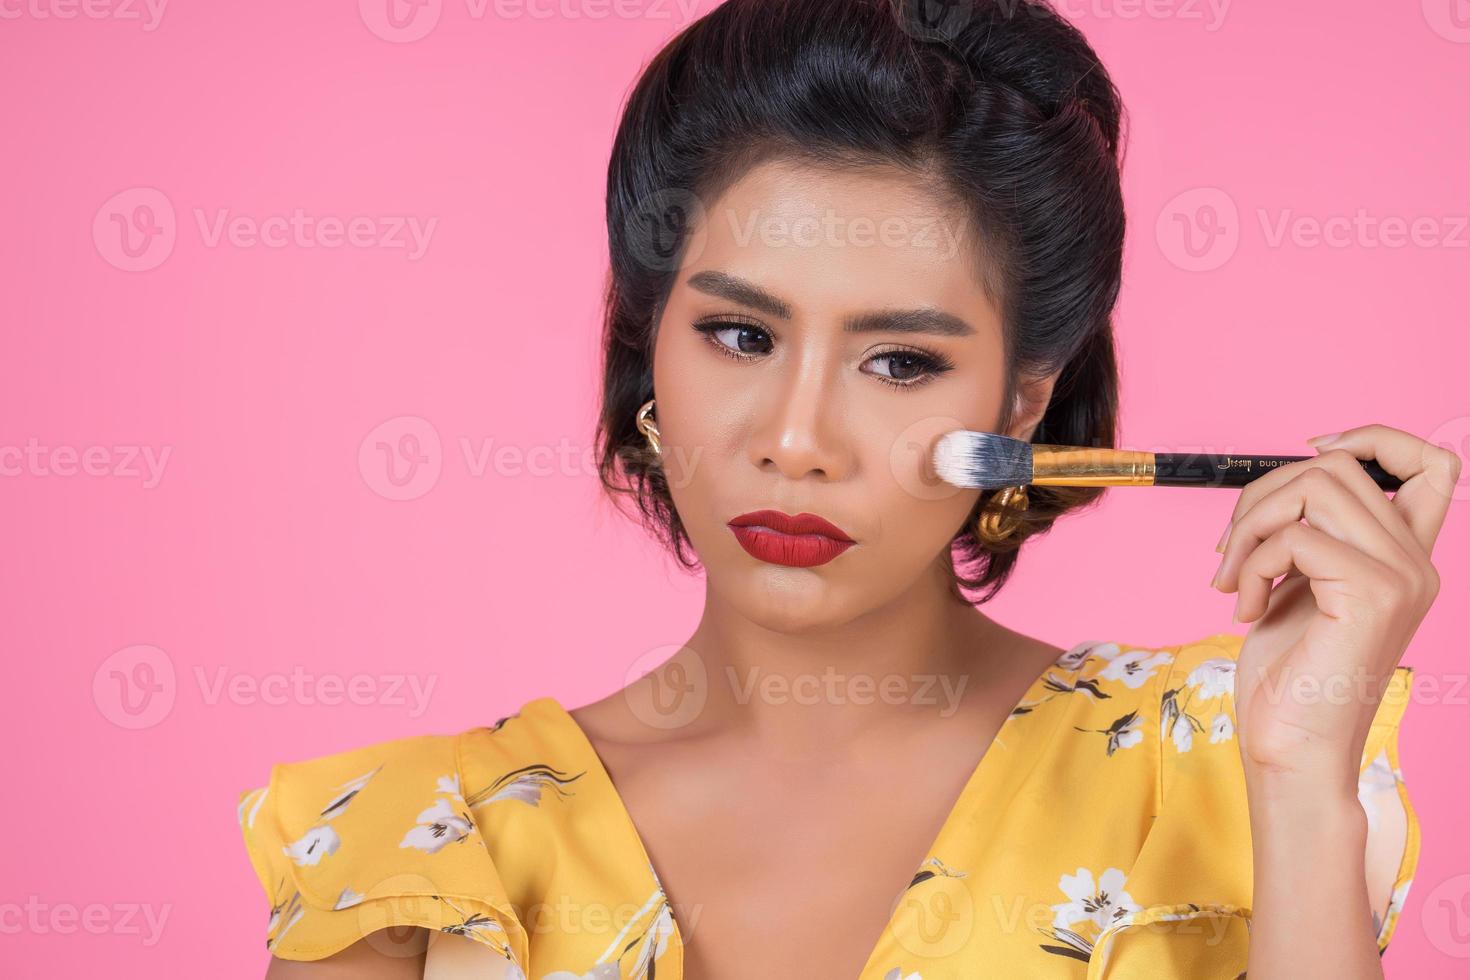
x,y
747,293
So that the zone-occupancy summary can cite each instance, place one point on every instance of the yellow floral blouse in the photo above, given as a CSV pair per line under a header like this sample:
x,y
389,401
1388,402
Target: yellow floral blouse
x,y
1104,834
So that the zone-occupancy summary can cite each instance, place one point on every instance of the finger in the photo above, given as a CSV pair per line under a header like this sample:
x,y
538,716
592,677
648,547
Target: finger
x,y
1340,575
1262,485
1430,474
1349,470
1320,498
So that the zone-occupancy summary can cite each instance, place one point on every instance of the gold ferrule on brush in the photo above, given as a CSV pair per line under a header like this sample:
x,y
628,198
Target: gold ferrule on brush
x,y
1077,466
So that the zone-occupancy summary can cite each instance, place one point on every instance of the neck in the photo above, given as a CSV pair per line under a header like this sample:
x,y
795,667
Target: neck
x,y
799,688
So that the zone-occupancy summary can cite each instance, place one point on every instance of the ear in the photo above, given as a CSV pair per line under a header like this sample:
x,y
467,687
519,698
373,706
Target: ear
x,y
1033,395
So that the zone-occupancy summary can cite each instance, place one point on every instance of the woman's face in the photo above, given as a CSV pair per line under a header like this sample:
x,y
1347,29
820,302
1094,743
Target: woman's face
x,y
824,330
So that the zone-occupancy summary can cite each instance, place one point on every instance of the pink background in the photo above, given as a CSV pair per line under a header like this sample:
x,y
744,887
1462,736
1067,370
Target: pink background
x,y
271,542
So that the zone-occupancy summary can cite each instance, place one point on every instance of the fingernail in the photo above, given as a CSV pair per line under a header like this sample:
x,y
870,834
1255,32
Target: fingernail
x,y
1220,546
1319,440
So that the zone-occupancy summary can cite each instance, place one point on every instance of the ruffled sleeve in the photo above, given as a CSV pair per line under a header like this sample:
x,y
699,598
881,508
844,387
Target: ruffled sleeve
x,y
348,844
1189,914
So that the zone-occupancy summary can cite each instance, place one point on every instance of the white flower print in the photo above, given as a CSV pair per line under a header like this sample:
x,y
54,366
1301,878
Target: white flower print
x,y
250,806
1101,903
527,789
1132,667
1207,681
1078,655
1122,733
526,784
1377,777
607,971
1395,906
654,942
346,793
1129,734
651,944
347,899
1212,678
481,928
1183,733
314,845
944,871
283,917
438,826
897,974
321,840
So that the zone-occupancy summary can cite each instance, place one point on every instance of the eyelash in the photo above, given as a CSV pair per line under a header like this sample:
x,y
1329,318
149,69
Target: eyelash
x,y
935,363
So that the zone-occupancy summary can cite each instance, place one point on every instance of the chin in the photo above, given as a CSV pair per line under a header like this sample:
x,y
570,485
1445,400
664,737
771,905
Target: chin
x,y
790,600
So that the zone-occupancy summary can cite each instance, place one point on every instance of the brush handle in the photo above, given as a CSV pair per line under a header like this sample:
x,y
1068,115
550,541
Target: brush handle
x,y
1229,470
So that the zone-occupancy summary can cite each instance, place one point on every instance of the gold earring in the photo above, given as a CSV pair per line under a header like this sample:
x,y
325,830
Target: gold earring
x,y
648,428
1002,515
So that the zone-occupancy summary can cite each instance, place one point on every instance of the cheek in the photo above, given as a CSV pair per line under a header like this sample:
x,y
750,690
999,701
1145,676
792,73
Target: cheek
x,y
700,405
705,392
918,511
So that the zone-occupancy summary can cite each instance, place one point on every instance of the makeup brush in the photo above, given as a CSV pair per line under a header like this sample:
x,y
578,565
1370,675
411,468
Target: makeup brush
x,y
988,461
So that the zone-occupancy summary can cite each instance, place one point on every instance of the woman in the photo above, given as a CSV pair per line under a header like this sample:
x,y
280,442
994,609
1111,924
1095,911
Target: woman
x,y
837,232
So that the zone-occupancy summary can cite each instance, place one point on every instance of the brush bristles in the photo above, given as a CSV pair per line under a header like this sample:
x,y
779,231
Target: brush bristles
x,y
982,460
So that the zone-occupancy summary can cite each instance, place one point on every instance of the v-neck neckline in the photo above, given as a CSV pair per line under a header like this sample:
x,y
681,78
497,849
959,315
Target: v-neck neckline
x,y
981,773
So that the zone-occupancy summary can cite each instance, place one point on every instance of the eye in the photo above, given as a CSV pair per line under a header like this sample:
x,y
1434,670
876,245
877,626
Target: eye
x,y
909,368
906,367
736,339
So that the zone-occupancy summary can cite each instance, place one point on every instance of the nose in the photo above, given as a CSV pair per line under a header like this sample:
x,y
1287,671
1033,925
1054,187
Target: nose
x,y
800,430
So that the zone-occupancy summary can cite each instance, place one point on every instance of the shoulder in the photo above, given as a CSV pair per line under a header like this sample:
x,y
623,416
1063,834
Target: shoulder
x,y
350,842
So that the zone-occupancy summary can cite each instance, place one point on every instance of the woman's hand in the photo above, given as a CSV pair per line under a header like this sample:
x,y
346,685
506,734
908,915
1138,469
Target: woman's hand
x,y
1311,674
1358,582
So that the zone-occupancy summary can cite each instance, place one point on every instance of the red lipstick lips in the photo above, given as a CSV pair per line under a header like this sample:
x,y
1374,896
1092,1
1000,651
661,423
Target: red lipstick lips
x,y
781,539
